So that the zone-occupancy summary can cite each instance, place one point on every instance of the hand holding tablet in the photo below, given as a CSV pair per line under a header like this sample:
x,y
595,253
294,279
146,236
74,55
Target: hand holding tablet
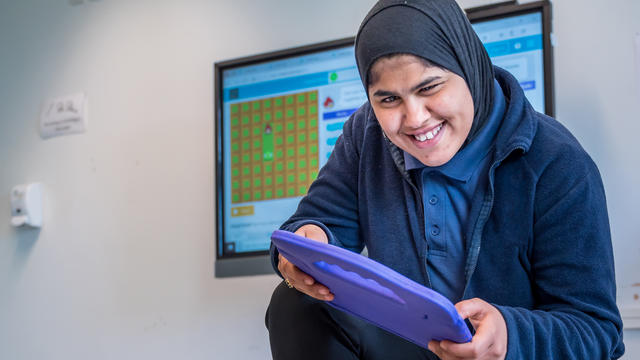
x,y
374,292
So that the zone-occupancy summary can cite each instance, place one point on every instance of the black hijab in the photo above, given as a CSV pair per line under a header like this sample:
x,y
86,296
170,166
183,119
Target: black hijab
x,y
435,30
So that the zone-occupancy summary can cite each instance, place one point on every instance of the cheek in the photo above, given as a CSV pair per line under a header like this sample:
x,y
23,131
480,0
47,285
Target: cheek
x,y
456,109
444,104
467,104
388,120
467,112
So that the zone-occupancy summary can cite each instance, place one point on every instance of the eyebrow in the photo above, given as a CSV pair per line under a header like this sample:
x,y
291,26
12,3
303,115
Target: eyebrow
x,y
424,83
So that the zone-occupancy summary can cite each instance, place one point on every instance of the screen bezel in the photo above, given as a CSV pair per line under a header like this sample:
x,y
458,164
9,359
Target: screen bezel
x,y
501,11
254,262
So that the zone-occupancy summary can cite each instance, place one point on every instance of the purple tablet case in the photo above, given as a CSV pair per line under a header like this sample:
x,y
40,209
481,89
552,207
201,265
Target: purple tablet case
x,y
374,292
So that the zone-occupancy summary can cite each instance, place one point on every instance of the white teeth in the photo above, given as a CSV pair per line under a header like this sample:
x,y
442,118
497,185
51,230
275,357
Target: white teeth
x,y
428,135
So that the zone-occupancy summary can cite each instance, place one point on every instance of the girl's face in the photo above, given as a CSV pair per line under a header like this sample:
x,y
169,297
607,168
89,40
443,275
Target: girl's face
x,y
424,110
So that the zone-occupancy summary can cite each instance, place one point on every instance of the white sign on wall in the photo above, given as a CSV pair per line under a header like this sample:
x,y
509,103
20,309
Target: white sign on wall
x,y
64,115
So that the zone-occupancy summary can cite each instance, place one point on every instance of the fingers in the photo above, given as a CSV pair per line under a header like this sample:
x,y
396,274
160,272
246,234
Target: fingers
x,y
448,350
293,273
436,348
303,282
298,278
489,341
478,348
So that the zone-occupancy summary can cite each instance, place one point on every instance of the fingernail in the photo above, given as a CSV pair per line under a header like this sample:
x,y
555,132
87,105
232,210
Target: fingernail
x,y
323,291
308,281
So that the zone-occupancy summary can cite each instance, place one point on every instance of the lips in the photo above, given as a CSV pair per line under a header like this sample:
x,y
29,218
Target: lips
x,y
427,135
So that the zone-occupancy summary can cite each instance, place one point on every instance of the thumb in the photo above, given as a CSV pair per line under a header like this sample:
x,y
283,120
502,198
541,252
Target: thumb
x,y
473,309
313,232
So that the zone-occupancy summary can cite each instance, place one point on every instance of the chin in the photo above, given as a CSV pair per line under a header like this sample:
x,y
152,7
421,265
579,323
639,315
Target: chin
x,y
436,161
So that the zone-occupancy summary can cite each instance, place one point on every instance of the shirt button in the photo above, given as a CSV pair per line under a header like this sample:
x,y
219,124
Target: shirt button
x,y
435,230
433,200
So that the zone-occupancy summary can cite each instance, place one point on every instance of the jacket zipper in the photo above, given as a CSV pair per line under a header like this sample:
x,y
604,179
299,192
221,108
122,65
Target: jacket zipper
x,y
421,226
474,251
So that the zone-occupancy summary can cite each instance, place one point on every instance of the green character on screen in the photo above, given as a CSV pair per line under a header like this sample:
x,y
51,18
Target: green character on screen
x,y
267,143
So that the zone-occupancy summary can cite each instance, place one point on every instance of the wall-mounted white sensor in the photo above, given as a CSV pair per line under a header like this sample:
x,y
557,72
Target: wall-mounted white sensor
x,y
26,205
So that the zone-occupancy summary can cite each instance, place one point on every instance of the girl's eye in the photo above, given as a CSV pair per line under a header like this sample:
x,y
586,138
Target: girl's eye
x,y
389,99
429,88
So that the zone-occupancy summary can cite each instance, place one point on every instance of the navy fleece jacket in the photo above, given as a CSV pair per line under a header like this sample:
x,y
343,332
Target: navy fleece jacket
x,y
538,246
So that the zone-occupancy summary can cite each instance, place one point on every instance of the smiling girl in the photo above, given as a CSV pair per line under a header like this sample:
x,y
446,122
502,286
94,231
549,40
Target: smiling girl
x,y
450,177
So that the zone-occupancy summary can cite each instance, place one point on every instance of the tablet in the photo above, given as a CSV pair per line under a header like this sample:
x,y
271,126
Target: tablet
x,y
374,292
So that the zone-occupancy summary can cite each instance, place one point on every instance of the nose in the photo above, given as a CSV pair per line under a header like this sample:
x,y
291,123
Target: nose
x,y
416,113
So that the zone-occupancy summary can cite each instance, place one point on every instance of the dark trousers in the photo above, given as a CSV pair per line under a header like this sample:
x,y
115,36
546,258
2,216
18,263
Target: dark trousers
x,y
301,327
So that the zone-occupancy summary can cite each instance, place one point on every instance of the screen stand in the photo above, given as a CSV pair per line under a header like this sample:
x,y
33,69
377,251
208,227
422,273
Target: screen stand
x,y
243,266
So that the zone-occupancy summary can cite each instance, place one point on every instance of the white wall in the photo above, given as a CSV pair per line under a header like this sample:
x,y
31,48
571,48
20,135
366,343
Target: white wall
x,y
123,268
598,92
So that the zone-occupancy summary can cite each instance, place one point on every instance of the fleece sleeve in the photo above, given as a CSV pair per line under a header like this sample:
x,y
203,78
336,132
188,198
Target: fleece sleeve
x,y
575,316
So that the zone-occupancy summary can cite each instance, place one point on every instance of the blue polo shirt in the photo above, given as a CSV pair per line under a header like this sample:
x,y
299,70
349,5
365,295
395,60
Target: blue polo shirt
x,y
447,192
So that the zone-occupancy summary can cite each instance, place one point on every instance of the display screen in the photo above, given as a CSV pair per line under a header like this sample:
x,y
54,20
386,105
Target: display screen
x,y
279,116
283,119
515,44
